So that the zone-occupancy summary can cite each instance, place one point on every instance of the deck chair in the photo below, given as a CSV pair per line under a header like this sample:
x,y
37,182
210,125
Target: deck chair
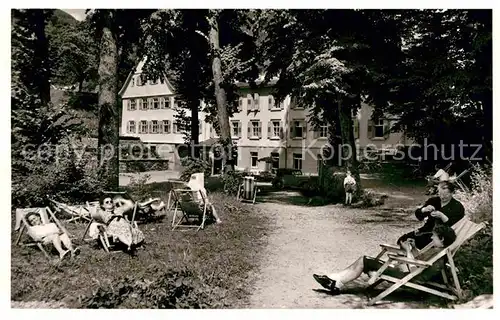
x,y
189,211
22,225
76,213
103,238
247,191
395,249
464,229
142,213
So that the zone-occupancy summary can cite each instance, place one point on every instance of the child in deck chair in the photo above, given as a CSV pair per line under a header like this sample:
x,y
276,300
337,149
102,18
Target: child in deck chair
x,y
49,233
442,236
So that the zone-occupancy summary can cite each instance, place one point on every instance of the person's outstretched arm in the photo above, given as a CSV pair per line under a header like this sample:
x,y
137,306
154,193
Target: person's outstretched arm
x,y
125,206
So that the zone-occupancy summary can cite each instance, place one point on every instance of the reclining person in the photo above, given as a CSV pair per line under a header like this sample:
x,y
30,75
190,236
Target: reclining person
x,y
197,183
111,221
49,233
442,236
443,209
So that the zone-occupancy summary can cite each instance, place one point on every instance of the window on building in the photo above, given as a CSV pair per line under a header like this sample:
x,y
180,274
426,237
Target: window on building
x,y
379,128
175,127
132,82
276,128
142,104
166,126
254,156
133,105
270,101
275,160
323,131
167,103
298,129
256,101
144,126
240,104
175,104
249,103
131,127
156,103
154,126
297,161
144,79
236,129
254,129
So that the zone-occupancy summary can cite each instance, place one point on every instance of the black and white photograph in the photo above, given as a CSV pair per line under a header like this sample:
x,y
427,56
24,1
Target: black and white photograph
x,y
253,158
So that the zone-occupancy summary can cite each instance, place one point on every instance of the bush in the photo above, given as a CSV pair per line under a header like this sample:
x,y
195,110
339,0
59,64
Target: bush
x,y
329,186
475,259
67,181
479,202
370,198
475,264
139,188
231,181
170,289
191,166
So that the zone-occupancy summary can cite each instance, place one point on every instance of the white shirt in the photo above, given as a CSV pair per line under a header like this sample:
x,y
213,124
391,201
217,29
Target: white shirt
x,y
349,180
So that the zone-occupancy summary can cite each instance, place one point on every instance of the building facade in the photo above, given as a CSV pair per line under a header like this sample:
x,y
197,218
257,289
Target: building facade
x,y
268,134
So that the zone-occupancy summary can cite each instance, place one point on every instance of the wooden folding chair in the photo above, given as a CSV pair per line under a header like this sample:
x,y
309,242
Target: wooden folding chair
x,y
395,249
190,209
103,238
247,191
76,212
22,225
464,229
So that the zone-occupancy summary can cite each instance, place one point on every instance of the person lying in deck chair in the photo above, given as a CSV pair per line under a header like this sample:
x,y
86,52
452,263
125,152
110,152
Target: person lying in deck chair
x,y
110,221
443,209
197,183
50,233
442,236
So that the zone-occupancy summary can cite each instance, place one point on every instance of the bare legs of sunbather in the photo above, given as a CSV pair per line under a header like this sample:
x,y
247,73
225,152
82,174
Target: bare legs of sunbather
x,y
58,241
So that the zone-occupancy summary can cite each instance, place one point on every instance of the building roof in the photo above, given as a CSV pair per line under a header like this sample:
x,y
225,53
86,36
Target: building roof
x,y
138,70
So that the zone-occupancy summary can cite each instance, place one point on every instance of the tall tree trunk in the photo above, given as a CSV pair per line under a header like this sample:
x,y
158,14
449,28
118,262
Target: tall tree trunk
x,y
109,116
220,94
195,128
41,53
347,133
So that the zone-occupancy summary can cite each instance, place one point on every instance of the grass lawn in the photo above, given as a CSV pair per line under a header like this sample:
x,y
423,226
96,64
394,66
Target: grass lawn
x,y
181,269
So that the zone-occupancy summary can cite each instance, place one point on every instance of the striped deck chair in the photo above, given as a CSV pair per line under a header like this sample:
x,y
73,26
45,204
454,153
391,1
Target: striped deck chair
x,y
464,229
247,191
190,209
46,215
395,249
75,212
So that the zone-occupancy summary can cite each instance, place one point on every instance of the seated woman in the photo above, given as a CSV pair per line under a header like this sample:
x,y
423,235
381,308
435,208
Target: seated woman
x,y
110,221
442,236
49,233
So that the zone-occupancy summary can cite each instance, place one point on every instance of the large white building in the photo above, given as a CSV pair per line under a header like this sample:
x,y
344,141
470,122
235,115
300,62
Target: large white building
x,y
261,128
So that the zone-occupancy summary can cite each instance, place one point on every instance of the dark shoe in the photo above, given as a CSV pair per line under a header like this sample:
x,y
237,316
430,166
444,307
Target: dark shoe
x,y
327,283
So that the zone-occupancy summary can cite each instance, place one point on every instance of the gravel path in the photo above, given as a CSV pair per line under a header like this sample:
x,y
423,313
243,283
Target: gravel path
x,y
309,240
